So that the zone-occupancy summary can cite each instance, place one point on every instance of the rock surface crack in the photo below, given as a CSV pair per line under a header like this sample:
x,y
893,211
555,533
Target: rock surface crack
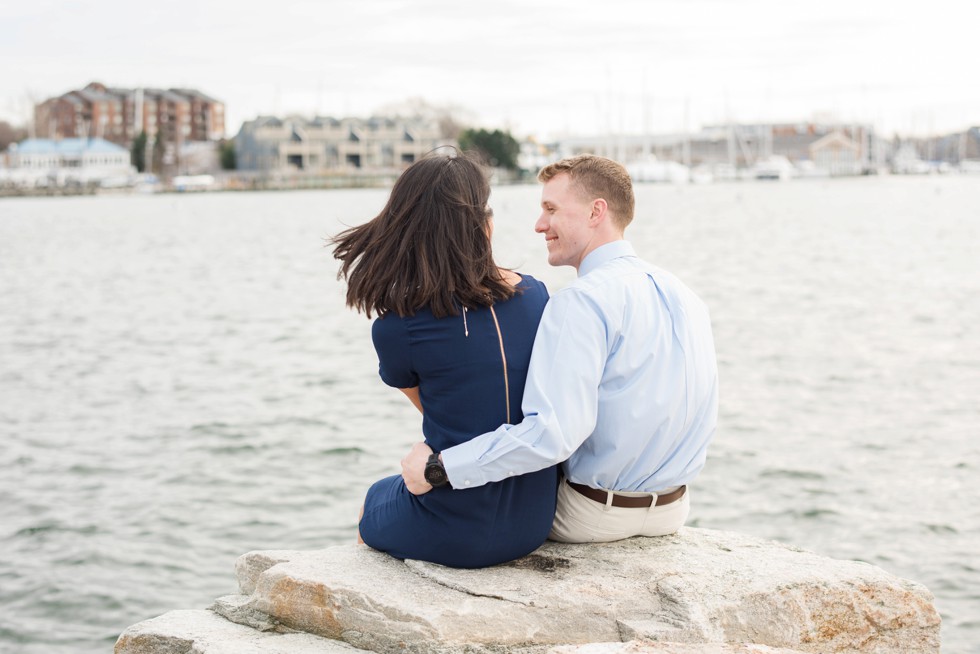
x,y
422,572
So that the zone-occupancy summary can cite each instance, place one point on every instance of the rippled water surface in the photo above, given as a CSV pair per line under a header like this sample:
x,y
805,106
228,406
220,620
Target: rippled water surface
x,y
180,383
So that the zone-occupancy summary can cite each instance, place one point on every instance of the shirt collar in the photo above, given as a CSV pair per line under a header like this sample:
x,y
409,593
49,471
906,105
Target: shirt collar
x,y
605,253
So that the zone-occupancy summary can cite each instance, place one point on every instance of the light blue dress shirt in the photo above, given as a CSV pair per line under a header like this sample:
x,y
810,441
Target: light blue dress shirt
x,y
622,385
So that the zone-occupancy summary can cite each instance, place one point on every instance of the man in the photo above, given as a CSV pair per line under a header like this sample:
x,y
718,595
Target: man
x,y
622,385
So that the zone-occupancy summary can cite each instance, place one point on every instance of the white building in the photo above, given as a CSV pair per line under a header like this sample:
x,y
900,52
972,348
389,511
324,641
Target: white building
x,y
42,162
837,154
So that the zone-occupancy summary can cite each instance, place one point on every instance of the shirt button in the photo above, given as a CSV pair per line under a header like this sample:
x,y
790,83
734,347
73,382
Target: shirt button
x,y
510,474
467,483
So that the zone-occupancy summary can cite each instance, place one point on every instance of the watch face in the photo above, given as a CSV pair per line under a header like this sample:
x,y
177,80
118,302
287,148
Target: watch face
x,y
435,474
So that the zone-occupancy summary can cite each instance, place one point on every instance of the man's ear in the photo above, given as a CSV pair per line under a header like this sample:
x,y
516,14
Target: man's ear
x,y
600,212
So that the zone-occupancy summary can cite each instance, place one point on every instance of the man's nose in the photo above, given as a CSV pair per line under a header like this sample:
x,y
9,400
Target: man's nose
x,y
542,224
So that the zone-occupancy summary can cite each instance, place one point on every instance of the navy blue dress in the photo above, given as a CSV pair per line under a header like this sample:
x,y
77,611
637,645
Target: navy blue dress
x,y
457,364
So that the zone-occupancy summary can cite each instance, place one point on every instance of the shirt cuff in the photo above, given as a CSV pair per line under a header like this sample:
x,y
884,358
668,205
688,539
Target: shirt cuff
x,y
461,466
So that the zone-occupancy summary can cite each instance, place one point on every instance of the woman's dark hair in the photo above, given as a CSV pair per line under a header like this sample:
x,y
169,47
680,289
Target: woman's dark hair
x,y
429,246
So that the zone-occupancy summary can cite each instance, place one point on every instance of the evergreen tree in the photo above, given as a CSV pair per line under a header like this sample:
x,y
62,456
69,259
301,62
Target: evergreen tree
x,y
229,158
137,153
499,148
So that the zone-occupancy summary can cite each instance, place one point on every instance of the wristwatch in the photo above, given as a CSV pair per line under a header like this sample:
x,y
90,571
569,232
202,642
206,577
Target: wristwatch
x,y
435,472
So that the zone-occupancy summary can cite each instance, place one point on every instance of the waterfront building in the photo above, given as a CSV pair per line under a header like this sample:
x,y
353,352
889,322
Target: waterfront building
x,y
119,115
48,162
827,148
534,155
836,154
323,144
954,148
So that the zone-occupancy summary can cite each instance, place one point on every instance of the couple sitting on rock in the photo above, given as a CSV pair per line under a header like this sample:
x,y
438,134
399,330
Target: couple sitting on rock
x,y
579,418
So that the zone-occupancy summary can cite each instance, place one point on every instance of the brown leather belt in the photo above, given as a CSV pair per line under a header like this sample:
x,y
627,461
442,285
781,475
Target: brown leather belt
x,y
645,501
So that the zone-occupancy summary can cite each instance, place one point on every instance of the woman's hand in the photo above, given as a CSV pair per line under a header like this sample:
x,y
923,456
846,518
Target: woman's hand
x,y
413,469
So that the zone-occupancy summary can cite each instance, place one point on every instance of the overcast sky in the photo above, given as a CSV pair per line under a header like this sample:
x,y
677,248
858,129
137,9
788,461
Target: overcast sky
x,y
543,67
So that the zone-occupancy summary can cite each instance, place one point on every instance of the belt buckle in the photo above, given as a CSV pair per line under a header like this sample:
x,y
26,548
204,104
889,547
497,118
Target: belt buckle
x,y
611,499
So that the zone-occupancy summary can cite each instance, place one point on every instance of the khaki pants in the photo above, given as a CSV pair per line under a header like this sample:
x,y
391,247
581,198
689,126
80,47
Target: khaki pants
x,y
581,520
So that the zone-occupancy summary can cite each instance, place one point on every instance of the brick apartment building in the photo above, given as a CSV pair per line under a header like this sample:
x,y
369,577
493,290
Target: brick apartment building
x,y
119,115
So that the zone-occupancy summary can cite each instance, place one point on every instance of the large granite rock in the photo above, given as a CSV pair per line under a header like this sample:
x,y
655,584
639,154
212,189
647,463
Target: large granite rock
x,y
205,632
650,647
697,591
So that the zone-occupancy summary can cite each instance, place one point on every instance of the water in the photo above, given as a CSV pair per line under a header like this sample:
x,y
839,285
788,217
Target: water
x,y
180,383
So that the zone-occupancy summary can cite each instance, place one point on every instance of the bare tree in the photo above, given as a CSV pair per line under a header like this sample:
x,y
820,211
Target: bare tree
x,y
10,134
450,118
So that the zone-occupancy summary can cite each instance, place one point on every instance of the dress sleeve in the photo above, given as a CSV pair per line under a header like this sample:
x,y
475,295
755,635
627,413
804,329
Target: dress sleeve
x,y
394,350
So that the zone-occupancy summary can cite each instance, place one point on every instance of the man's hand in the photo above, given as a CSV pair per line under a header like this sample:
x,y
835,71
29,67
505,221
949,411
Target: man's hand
x,y
413,469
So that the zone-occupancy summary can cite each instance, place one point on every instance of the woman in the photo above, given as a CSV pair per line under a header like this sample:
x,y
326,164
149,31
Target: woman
x,y
454,334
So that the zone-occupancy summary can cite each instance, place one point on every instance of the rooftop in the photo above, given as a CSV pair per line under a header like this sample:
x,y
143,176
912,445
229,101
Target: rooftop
x,y
66,146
